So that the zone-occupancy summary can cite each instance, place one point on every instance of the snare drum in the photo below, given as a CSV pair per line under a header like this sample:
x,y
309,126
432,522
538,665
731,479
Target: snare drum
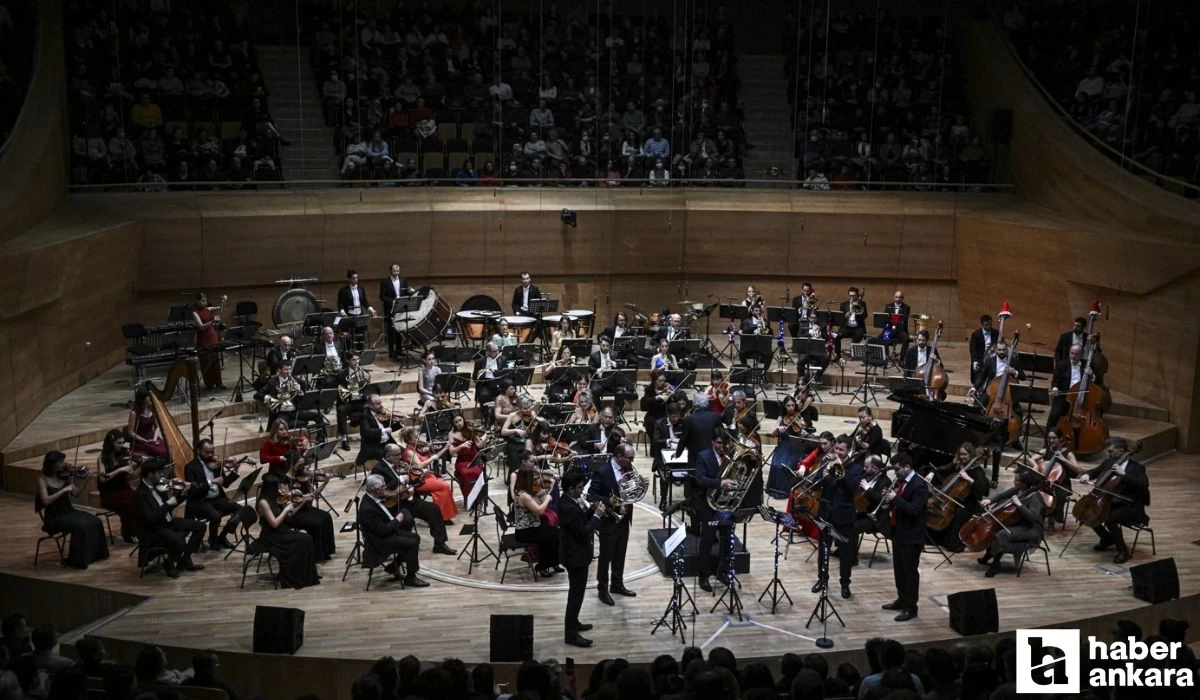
x,y
586,321
472,325
521,326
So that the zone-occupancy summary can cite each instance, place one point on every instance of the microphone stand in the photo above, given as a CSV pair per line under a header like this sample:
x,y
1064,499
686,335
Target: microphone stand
x,y
825,608
775,588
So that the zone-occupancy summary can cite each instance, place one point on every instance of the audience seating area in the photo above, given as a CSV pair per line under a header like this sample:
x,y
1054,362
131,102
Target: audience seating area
x,y
166,94
878,100
476,98
17,36
1127,73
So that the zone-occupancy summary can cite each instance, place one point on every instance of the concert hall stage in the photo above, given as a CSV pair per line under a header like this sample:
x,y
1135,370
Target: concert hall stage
x,y
345,625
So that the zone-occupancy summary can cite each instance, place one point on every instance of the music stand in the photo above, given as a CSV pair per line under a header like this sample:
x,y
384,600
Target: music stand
x,y
775,588
681,379
825,609
588,463
242,338
580,347
538,308
812,348
314,322
735,313
684,347
873,358
1036,363
453,384
1029,395
382,388
753,377
781,315
627,345
313,456
439,423
518,355
308,364
730,598
672,617
455,354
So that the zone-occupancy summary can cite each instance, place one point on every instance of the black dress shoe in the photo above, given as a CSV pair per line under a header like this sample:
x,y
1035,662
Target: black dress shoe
x,y
172,570
1122,557
190,565
577,640
985,559
443,548
416,582
705,584
345,445
845,591
605,597
893,606
621,590
1102,545
993,569
818,586
583,627
906,615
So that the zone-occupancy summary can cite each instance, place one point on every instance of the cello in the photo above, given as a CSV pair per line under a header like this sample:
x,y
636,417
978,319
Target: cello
x,y
999,406
978,533
1084,427
944,501
935,375
1092,508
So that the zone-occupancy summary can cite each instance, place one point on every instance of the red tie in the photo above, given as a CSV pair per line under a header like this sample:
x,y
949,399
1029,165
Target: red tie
x,y
899,493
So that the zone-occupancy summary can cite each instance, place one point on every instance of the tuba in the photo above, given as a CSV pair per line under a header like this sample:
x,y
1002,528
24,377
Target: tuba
x,y
743,464
355,381
289,389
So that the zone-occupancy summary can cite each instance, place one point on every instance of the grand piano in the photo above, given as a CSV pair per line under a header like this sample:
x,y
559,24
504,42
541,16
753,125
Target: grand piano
x,y
933,430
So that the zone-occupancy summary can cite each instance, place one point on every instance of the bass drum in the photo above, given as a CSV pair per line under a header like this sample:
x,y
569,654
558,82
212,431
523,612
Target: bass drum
x,y
428,322
293,306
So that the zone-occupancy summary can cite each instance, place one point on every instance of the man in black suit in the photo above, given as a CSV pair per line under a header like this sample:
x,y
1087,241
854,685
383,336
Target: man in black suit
x,y
804,315
698,429
900,311
206,499
854,326
490,363
181,537
1135,485
387,531
709,465
917,356
418,508
874,484
907,502
352,303
576,527
376,434
673,330
1076,336
740,406
837,509
756,324
329,345
980,343
996,365
665,436
614,531
1067,373
287,409
278,354
523,294
390,289
351,407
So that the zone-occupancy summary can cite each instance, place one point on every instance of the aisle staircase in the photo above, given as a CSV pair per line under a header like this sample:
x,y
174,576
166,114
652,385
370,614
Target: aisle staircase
x,y
296,106
767,122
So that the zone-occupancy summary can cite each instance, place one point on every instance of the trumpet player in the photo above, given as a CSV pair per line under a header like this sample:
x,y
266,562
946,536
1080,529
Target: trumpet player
x,y
805,303
614,531
756,324
838,484
854,318
206,499
351,381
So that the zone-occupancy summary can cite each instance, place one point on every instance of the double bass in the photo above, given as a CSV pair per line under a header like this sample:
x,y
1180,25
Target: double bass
x,y
935,377
1000,403
1084,428
1092,508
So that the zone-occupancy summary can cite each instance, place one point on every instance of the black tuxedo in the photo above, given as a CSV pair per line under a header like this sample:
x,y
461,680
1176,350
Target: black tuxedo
x,y
837,509
518,299
911,360
416,506
371,431
201,507
708,476
697,434
857,332
876,444
181,537
978,348
1062,350
614,531
803,318
908,537
481,365
988,372
900,330
881,523
1135,486
595,361
275,358
347,410
1061,404
293,418
576,527
318,347
384,536
681,333
731,410
345,301
387,298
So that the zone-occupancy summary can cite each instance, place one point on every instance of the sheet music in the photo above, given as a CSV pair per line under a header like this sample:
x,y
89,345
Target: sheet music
x,y
674,540
476,490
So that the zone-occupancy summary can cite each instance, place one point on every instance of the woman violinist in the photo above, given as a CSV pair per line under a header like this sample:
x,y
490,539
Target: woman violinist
x,y
1056,463
418,454
565,330
965,480
281,449
787,453
531,500
584,411
718,392
506,402
464,442
293,548
56,486
114,467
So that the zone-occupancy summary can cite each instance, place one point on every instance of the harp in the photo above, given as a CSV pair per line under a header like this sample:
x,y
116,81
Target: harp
x,y
179,448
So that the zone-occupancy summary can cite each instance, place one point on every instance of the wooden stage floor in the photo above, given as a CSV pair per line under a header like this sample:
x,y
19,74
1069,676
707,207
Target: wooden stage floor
x,y
208,610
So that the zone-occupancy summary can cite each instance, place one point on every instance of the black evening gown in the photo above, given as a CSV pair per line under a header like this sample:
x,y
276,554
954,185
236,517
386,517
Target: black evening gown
x,y
88,541
293,549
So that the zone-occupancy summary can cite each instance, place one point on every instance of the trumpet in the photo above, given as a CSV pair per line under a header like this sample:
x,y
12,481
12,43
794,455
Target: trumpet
x,y
857,307
810,302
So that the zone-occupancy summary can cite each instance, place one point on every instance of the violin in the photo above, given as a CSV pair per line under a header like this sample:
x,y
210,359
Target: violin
x,y
1092,508
294,496
978,533
173,487
944,501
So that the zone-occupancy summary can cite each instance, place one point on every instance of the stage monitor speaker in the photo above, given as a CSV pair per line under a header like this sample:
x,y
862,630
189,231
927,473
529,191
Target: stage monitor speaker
x,y
1002,126
1155,581
278,630
511,638
974,612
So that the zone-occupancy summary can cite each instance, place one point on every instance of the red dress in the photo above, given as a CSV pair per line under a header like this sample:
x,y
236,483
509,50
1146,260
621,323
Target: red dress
x,y
274,453
210,362
466,468
437,489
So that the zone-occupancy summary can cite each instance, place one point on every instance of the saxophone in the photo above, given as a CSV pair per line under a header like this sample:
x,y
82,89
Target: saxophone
x,y
287,390
355,381
742,464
